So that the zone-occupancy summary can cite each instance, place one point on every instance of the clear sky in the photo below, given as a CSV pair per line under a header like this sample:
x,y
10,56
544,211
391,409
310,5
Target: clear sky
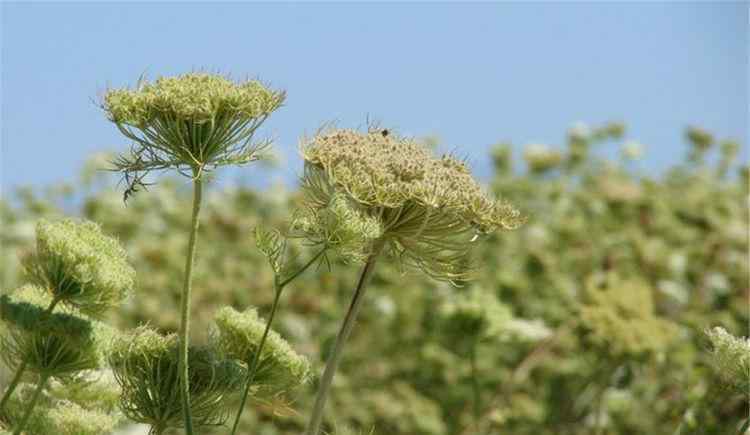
x,y
472,74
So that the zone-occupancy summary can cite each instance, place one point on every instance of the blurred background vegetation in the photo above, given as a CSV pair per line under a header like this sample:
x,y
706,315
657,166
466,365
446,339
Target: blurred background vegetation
x,y
587,320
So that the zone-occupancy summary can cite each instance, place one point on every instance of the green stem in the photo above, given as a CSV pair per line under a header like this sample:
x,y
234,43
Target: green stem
x,y
21,367
316,418
278,288
185,304
475,386
32,404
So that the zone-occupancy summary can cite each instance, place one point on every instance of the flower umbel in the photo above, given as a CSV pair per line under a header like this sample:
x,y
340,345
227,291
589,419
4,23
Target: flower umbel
x,y
80,266
188,122
50,344
279,367
731,358
145,364
428,210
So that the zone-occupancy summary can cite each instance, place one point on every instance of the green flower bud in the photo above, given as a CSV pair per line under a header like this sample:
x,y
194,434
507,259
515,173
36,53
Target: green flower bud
x,y
730,358
80,266
279,366
52,344
192,121
60,417
146,366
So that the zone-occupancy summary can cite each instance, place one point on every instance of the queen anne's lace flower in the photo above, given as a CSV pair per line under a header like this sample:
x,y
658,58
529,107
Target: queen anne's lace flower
x,y
194,121
731,358
145,364
279,367
80,266
428,210
50,344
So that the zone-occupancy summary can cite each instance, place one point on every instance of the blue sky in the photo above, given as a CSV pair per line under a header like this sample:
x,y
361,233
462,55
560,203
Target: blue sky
x,y
472,74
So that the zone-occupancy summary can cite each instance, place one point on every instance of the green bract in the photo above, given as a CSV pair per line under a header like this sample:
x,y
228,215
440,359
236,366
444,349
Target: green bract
x,y
59,417
279,367
145,364
51,344
194,120
429,210
80,266
731,358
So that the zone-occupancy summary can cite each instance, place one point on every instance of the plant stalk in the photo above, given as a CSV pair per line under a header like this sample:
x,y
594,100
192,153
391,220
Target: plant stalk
x,y
253,369
475,386
32,404
316,418
185,304
22,367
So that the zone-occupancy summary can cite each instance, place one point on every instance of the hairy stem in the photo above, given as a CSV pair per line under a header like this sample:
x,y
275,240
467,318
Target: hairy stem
x,y
31,405
185,305
278,288
21,367
316,418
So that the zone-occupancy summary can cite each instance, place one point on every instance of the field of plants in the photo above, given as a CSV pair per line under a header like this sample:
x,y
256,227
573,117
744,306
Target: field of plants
x,y
595,316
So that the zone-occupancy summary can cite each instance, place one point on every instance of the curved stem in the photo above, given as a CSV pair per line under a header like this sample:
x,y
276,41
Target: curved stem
x,y
185,305
32,404
316,418
253,368
21,367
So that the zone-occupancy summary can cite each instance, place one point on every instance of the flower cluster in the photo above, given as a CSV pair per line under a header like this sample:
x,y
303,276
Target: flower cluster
x,y
731,358
145,364
279,367
49,343
429,210
59,416
80,266
540,158
194,121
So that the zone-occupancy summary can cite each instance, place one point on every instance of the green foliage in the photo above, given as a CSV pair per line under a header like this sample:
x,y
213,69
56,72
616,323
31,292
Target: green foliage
x,y
599,234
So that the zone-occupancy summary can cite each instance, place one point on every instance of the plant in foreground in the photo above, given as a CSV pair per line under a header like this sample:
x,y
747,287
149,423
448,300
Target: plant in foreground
x,y
49,344
87,272
191,123
426,212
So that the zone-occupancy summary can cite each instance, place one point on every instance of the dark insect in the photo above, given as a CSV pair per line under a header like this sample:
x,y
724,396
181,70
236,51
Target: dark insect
x,y
385,132
134,184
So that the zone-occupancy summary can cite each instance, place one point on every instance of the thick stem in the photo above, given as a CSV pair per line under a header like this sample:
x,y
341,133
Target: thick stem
x,y
316,418
32,404
253,368
185,305
21,368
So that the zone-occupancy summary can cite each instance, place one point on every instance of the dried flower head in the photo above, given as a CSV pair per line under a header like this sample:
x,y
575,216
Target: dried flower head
x,y
58,416
279,367
191,122
52,344
731,358
80,266
145,364
428,210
